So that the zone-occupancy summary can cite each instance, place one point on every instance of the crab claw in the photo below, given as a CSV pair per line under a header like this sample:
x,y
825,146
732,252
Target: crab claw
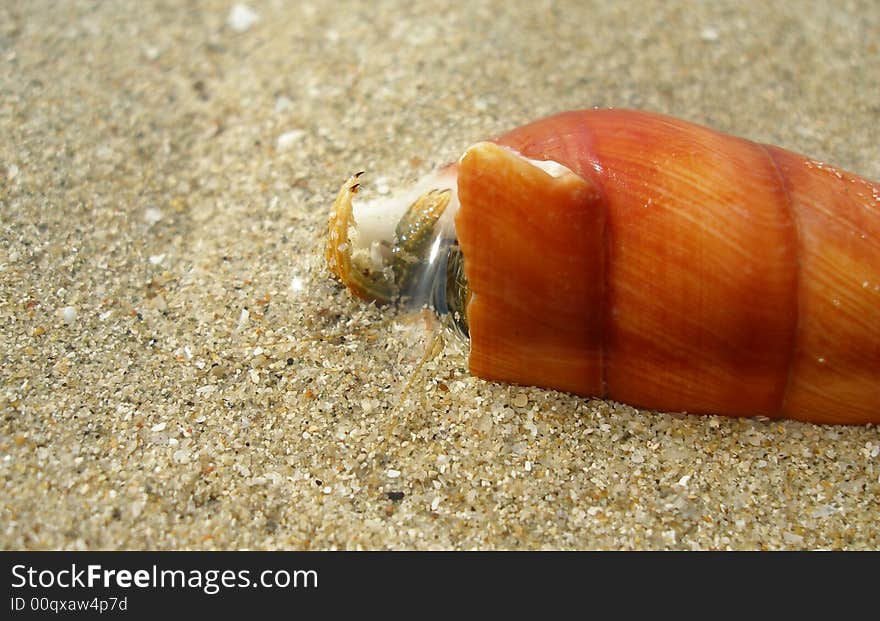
x,y
383,256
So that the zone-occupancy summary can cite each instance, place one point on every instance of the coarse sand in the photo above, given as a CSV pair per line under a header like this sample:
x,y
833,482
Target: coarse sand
x,y
179,370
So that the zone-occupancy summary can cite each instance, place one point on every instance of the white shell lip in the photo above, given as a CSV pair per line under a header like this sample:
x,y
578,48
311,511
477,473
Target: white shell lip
x,y
551,167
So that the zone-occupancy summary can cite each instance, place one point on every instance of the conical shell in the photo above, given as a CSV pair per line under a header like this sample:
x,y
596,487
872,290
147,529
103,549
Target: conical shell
x,y
677,269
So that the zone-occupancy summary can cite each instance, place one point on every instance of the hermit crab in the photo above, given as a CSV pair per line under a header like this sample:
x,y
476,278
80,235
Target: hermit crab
x,y
637,257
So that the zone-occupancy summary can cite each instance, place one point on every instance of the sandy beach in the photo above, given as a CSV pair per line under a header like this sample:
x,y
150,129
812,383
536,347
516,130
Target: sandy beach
x,y
178,370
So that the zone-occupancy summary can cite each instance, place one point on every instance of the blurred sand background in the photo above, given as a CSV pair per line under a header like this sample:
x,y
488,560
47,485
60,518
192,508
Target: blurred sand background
x,y
178,370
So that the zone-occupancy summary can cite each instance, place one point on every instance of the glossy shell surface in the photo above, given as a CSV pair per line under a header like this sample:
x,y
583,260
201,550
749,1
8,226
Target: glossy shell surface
x,y
677,268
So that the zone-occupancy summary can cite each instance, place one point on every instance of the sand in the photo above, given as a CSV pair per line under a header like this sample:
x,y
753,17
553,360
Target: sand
x,y
179,370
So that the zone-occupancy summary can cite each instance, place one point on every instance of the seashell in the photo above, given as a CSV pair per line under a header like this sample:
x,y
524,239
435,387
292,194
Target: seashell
x,y
636,257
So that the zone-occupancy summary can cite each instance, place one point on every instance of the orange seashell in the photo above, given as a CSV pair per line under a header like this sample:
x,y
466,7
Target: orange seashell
x,y
637,257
